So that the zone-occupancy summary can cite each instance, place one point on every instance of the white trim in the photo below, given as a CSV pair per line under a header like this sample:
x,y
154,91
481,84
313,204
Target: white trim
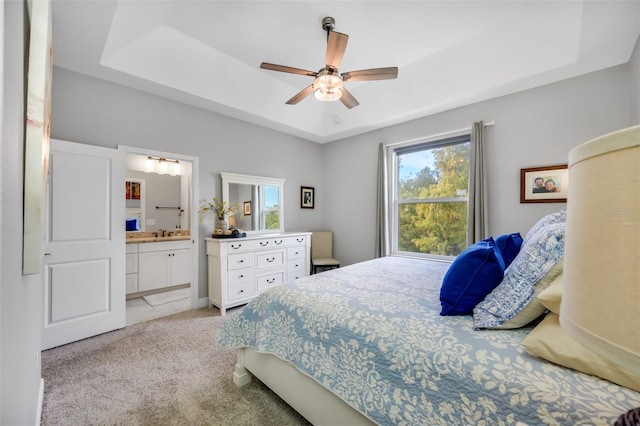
x,y
40,402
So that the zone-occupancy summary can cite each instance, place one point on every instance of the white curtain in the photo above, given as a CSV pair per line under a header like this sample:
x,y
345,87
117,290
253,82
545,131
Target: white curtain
x,y
382,223
477,217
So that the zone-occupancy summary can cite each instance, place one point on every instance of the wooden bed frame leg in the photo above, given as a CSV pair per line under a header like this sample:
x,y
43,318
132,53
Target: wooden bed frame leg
x,y
241,376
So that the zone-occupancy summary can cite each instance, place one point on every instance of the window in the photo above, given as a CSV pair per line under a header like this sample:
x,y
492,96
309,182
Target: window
x,y
430,182
270,207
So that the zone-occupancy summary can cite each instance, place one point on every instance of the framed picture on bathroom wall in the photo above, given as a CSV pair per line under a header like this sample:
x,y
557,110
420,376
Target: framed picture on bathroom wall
x,y
548,184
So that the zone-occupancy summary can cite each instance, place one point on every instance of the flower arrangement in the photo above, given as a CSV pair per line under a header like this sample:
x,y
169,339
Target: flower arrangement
x,y
216,207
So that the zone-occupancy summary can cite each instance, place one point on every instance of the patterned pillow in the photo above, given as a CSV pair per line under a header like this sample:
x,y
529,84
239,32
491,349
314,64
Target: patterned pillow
x,y
535,308
539,254
471,276
509,246
550,219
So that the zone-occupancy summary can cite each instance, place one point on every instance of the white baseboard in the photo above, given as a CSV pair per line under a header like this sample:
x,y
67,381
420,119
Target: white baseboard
x,y
203,302
40,402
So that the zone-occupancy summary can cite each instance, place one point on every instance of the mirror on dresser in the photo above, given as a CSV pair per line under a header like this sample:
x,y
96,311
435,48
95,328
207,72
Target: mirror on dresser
x,y
261,202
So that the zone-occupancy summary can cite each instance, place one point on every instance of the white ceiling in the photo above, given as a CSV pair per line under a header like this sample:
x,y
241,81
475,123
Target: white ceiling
x,y
449,53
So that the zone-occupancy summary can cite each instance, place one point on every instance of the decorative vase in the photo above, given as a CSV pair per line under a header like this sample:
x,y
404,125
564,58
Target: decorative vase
x,y
221,224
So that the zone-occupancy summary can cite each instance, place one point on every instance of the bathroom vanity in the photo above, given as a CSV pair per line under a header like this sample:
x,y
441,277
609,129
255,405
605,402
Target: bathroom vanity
x,y
157,262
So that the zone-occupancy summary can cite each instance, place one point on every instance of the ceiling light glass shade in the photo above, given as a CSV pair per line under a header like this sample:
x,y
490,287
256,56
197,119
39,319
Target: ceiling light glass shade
x,y
327,86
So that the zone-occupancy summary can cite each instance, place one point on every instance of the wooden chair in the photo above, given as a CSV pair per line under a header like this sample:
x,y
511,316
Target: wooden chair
x,y
322,251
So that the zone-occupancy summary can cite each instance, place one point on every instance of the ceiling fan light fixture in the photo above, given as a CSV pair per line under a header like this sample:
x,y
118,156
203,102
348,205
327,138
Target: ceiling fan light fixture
x,y
327,86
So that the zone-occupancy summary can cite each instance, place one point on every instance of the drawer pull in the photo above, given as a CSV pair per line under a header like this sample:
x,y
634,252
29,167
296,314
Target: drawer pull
x,y
278,242
297,252
264,243
241,291
236,247
241,276
241,261
270,259
299,240
271,280
297,265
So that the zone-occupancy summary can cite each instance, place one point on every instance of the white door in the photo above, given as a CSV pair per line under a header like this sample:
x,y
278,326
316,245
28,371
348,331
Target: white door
x,y
84,264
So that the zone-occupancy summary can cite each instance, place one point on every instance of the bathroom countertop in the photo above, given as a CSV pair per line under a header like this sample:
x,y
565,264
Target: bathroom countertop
x,y
150,237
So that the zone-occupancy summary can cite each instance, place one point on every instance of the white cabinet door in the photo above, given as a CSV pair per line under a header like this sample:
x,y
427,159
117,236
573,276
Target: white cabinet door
x,y
180,265
84,265
153,270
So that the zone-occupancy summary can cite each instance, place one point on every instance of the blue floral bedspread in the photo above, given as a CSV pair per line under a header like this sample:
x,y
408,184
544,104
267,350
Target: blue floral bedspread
x,y
372,334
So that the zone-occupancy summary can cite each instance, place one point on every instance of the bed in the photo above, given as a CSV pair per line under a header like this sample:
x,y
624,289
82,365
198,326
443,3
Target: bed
x,y
366,344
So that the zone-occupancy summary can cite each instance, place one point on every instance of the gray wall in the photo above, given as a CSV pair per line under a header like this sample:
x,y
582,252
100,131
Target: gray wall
x,y
95,112
20,296
536,127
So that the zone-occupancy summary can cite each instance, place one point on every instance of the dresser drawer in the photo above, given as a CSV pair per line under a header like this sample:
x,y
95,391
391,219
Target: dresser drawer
x,y
240,291
296,269
295,241
271,280
269,259
240,260
295,252
241,275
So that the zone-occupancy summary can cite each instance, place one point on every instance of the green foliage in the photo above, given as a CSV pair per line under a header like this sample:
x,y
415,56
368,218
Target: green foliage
x,y
436,227
272,218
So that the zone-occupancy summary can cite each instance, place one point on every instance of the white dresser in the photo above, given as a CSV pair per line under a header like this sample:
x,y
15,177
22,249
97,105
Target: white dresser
x,y
242,268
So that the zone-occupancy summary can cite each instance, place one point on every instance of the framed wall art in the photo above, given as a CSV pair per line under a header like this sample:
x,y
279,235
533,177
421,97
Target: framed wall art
x,y
247,208
544,184
37,131
306,197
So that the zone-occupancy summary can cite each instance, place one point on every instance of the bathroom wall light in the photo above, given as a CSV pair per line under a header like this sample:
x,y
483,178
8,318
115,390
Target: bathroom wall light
x,y
162,166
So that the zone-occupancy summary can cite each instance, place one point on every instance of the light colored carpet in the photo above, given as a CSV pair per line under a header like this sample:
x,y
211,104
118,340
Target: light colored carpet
x,y
167,296
168,371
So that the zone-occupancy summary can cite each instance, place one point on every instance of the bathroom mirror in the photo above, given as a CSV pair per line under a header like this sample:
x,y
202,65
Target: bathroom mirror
x,y
261,202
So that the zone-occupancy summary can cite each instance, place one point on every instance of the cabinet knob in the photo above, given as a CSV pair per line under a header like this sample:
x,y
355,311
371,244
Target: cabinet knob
x,y
241,261
241,291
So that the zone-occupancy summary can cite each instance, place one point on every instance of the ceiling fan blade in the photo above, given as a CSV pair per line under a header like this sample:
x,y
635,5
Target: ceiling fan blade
x,y
371,74
300,95
336,46
348,100
291,70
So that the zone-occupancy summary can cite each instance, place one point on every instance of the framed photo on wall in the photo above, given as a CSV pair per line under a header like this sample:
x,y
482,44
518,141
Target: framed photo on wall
x,y
247,208
306,197
544,184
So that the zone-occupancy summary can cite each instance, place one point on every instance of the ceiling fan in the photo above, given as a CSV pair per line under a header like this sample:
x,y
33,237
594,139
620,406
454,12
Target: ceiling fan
x,y
328,84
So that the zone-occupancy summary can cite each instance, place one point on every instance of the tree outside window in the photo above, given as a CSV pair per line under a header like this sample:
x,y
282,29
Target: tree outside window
x,y
430,209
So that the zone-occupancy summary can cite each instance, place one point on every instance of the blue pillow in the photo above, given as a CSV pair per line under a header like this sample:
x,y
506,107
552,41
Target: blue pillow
x,y
540,252
471,276
509,246
132,224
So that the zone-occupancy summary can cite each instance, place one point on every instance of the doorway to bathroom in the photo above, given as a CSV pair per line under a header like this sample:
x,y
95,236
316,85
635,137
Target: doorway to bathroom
x,y
163,256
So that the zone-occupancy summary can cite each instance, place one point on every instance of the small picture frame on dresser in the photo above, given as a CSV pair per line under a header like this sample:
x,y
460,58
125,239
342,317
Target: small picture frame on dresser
x,y
306,197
